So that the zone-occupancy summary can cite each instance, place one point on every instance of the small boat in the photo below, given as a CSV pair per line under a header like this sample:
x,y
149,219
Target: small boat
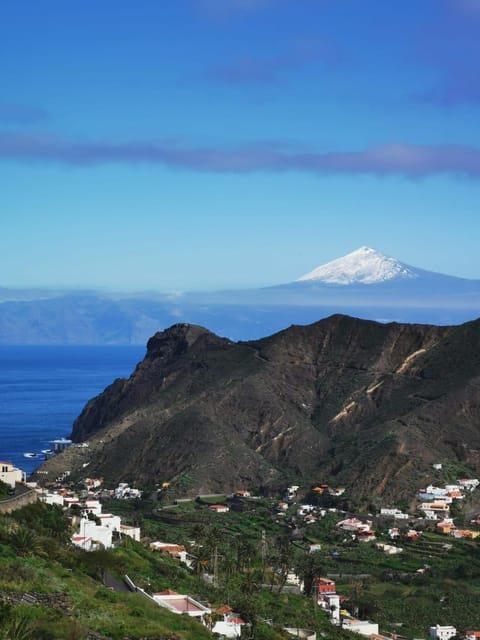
x,y
30,455
47,451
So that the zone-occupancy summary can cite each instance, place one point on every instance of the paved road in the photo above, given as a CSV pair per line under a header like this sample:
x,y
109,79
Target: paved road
x,y
113,583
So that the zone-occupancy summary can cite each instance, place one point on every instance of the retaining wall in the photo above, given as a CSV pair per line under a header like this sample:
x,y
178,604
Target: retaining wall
x,y
17,502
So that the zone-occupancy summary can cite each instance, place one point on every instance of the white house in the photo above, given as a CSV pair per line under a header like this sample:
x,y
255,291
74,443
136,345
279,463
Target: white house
x,y
69,501
437,491
52,498
292,490
83,542
303,509
93,483
433,509
355,525
331,603
453,487
294,579
101,534
439,632
393,512
131,532
469,483
173,549
230,626
219,508
10,474
124,492
93,506
110,521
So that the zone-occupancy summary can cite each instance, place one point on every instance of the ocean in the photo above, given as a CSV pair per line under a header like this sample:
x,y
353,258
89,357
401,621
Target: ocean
x,y
44,388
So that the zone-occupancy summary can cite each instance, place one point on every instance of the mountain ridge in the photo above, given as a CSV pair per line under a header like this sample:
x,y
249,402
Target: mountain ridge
x,y
344,400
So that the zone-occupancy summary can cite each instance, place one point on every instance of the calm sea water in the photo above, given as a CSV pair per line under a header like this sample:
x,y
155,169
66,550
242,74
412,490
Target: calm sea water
x,y
44,388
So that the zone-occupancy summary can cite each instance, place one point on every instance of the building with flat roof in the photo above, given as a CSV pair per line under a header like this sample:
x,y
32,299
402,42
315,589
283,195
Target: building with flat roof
x,y
177,603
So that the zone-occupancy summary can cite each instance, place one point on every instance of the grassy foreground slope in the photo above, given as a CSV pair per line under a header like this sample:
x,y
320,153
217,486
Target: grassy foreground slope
x,y
50,590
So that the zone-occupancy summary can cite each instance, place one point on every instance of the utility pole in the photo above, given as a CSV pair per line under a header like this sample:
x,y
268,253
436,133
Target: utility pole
x,y
264,547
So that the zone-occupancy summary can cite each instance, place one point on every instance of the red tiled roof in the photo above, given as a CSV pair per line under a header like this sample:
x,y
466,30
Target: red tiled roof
x,y
224,609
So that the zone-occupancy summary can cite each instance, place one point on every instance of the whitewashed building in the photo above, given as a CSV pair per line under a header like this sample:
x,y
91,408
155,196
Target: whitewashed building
x,y
10,474
439,632
99,534
52,498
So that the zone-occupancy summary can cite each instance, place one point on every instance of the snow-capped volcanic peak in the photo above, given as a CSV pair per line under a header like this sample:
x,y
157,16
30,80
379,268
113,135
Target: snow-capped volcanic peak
x,y
363,266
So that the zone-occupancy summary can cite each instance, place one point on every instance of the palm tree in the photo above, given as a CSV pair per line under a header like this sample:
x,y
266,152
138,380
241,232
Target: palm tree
x,y
24,541
14,625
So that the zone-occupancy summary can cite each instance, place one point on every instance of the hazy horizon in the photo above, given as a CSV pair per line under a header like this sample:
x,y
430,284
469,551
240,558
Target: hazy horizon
x,y
176,294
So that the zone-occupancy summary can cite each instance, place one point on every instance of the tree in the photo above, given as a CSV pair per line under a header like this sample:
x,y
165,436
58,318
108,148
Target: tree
x,y
247,552
24,541
308,566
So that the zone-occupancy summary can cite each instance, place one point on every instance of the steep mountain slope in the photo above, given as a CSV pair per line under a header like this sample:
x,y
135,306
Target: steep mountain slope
x,y
343,400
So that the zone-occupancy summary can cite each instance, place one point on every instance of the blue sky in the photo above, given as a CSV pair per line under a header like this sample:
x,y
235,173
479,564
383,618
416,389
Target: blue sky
x,y
202,144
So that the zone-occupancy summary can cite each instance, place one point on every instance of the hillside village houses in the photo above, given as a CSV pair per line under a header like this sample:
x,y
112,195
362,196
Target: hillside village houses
x,y
95,528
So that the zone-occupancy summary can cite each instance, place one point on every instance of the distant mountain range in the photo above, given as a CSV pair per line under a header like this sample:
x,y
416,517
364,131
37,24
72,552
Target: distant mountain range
x,y
364,283
350,402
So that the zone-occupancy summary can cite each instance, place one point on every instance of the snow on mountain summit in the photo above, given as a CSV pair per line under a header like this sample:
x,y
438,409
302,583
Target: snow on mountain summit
x,y
363,266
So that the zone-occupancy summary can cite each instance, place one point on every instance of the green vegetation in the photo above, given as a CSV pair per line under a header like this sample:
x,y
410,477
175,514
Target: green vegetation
x,y
4,490
255,538
65,584
240,558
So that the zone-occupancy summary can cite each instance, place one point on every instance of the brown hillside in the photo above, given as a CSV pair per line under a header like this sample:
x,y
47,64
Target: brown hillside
x,y
346,401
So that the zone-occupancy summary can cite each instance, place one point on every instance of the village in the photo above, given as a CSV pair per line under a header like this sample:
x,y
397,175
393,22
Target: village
x,y
389,532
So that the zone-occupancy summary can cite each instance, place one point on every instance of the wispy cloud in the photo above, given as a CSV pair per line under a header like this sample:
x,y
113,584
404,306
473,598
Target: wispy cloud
x,y
412,161
22,114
